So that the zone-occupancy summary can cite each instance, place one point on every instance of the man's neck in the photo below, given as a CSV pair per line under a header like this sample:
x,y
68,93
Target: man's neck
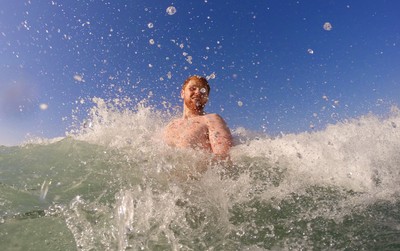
x,y
187,113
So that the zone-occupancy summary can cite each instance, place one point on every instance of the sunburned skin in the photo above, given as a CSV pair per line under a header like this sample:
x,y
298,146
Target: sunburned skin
x,y
188,133
207,132
196,129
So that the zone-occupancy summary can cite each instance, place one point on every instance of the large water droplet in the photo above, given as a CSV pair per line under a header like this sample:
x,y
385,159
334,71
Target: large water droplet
x,y
327,26
171,10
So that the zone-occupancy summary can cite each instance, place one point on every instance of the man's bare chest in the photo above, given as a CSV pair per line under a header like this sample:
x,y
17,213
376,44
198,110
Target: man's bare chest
x,y
192,129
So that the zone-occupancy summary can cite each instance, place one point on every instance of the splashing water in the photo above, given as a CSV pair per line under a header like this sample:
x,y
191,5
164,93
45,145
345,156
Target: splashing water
x,y
327,26
171,10
116,186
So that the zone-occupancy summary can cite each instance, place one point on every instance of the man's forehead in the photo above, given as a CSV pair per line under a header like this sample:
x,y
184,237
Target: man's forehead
x,y
195,82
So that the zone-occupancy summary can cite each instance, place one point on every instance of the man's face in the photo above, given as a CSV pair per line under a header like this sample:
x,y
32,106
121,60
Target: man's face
x,y
195,95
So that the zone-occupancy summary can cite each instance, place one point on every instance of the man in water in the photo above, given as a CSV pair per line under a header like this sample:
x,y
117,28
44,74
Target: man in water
x,y
196,129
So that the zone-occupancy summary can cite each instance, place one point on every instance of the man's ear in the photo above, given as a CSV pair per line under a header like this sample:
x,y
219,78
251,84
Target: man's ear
x,y
182,94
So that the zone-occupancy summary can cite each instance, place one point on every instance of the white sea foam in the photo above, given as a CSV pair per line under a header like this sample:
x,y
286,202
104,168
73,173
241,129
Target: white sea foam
x,y
360,154
114,124
35,140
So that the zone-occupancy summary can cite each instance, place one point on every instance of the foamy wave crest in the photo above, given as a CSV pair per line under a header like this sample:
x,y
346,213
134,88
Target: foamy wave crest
x,y
360,154
114,124
134,133
31,140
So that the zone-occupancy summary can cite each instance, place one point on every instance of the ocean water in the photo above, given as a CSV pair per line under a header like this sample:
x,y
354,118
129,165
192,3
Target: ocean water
x,y
111,184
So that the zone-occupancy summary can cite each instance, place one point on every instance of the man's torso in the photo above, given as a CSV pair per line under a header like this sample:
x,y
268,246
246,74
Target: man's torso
x,y
191,132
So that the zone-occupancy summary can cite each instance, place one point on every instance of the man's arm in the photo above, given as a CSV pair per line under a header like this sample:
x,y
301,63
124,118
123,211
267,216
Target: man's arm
x,y
219,135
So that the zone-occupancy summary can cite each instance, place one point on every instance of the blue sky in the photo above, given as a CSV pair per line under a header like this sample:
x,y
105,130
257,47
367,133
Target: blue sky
x,y
277,69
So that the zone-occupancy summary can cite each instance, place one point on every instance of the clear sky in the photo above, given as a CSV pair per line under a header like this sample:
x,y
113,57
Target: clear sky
x,y
275,66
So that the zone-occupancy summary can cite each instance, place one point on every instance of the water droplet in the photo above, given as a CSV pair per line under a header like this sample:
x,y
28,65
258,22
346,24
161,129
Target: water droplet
x,y
171,10
151,41
203,90
212,76
150,25
310,51
327,26
189,59
43,106
79,78
240,103
240,233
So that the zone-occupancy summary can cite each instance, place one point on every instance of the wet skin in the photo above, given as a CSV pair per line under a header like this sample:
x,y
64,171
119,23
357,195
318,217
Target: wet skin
x,y
196,129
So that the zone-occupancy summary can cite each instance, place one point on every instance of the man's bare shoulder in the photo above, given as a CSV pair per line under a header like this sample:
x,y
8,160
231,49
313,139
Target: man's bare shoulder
x,y
174,122
216,123
214,118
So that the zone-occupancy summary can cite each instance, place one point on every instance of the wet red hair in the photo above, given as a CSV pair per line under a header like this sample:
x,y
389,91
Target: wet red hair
x,y
203,80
